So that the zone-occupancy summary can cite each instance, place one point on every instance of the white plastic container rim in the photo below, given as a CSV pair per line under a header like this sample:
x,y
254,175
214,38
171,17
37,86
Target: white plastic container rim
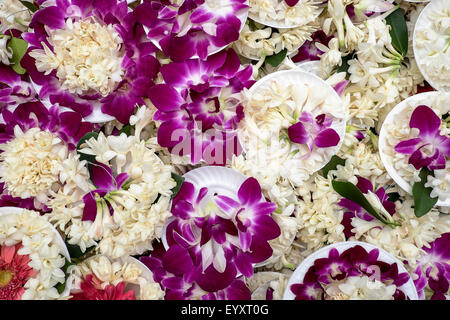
x,y
297,277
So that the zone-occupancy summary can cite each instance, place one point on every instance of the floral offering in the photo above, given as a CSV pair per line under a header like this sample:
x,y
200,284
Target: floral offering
x,y
354,274
224,150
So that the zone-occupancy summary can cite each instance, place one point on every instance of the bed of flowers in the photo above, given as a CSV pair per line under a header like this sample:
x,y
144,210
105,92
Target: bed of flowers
x,y
224,149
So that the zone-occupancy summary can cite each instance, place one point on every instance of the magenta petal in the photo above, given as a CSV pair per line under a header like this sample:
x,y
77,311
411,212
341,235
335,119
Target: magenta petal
x,y
245,239
364,185
407,146
327,138
165,98
250,192
244,265
201,15
226,204
291,3
102,176
426,120
177,260
90,207
298,133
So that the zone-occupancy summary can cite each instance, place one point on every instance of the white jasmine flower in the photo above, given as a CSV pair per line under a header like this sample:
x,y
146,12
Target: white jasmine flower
x,y
93,62
30,162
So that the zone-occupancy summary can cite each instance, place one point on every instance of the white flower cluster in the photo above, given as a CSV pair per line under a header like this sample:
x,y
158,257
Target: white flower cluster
x,y
359,288
113,271
93,63
40,242
278,12
32,164
265,41
263,132
432,43
140,209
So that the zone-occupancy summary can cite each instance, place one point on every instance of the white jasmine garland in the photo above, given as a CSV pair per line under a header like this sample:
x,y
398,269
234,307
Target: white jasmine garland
x,y
137,218
93,63
31,163
113,271
277,11
432,43
359,288
38,240
255,44
406,241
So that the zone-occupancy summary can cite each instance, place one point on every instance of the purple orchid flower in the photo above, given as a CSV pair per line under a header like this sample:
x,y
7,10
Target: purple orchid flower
x,y
103,178
196,28
223,236
308,51
199,107
175,271
314,132
356,210
355,261
430,148
433,270
67,125
126,87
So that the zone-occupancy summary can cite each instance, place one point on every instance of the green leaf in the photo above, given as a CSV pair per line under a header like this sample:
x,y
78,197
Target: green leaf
x,y
399,31
75,251
88,157
62,286
423,202
179,180
30,6
344,66
332,165
350,191
275,59
19,48
393,196
126,129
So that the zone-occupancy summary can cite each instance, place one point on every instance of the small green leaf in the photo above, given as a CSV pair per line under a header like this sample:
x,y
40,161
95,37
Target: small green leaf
x,y
350,191
344,66
399,31
126,129
88,157
75,251
179,180
423,202
30,6
275,59
332,165
19,48
393,196
62,286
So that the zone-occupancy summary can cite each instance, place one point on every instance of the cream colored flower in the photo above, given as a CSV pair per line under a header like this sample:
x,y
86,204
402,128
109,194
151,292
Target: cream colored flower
x,y
93,62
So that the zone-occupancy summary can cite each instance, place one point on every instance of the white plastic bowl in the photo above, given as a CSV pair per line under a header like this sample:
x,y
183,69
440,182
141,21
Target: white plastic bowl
x,y
297,277
297,76
421,20
415,100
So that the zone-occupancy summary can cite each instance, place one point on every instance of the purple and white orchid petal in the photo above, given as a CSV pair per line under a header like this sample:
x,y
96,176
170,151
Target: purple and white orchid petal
x,y
408,146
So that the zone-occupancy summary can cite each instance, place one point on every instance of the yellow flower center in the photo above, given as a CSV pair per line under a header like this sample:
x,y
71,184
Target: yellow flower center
x,y
5,277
